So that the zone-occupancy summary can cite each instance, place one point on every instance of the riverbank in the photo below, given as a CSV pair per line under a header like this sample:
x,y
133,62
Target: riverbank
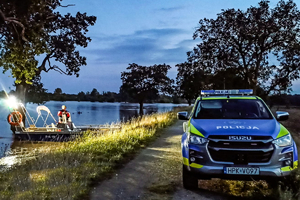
x,y
68,170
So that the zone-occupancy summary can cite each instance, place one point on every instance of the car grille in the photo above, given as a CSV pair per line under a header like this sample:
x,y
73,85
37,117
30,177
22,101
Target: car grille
x,y
258,150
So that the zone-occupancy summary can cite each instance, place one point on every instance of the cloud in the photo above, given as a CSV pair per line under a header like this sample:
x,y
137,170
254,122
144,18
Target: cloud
x,y
146,47
171,9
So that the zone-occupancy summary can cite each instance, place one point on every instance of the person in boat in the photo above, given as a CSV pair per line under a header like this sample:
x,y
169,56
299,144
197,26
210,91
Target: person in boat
x,y
64,118
63,115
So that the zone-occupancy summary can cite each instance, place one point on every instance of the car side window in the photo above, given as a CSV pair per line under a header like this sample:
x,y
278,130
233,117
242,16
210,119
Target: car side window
x,y
198,109
262,110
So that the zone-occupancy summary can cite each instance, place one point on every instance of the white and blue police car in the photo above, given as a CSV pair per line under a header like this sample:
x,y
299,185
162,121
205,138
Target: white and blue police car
x,y
232,135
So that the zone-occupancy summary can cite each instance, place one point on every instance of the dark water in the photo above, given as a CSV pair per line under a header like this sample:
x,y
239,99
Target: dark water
x,y
82,113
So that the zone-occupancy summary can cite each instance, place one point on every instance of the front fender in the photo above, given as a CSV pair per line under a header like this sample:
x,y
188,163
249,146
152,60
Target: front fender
x,y
184,146
185,126
295,152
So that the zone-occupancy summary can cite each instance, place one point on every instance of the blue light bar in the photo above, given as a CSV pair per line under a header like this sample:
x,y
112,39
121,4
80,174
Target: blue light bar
x,y
211,92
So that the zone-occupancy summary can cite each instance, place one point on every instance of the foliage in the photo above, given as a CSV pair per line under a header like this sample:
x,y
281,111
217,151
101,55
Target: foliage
x,y
227,79
142,82
94,93
96,96
81,96
32,28
66,170
2,94
248,41
57,91
36,92
190,80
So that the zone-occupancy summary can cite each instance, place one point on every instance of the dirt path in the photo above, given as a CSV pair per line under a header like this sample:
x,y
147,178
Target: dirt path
x,y
154,174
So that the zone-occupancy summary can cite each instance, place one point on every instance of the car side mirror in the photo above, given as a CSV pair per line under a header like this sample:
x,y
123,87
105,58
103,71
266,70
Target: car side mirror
x,y
183,115
282,115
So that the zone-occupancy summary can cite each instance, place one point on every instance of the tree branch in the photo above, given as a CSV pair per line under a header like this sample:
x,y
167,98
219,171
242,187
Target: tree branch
x,y
14,21
56,68
42,67
68,5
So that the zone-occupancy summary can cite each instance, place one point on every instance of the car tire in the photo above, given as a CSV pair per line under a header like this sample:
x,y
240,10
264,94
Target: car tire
x,y
189,181
273,184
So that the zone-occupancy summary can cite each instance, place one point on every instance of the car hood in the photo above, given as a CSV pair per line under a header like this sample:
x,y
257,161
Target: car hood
x,y
265,127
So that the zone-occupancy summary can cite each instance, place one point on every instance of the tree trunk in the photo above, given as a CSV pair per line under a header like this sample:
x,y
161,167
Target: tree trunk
x,y
254,90
254,86
141,108
21,92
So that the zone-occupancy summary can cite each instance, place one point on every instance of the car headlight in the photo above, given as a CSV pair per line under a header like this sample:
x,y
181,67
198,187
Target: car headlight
x,y
284,140
194,139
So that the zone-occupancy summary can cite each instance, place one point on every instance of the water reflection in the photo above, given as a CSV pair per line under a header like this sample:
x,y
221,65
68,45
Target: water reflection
x,y
150,110
5,144
128,111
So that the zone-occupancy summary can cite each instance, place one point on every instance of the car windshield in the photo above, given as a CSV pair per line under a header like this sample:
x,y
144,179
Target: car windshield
x,y
232,109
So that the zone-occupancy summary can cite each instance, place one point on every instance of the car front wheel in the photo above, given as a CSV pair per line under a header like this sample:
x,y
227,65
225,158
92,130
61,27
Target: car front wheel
x,y
189,180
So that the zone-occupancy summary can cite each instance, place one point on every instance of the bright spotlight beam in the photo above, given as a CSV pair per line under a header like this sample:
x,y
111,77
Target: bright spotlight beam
x,y
12,102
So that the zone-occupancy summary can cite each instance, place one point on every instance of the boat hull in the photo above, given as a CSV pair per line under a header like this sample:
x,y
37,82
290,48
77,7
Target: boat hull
x,y
46,136
56,134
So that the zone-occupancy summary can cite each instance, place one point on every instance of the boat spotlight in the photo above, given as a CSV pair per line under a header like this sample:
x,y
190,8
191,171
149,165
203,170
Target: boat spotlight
x,y
12,102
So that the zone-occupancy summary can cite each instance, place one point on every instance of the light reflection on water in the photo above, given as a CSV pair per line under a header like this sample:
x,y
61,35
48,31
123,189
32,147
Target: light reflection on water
x,y
82,113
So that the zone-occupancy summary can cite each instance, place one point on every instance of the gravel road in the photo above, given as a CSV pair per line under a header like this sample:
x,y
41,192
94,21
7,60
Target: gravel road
x,y
155,173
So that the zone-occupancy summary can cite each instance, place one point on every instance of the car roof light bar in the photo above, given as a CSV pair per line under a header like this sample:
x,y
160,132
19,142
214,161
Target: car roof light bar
x,y
226,92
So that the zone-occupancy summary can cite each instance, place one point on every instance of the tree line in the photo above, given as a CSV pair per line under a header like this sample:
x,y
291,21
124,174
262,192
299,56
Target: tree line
x,y
92,96
256,48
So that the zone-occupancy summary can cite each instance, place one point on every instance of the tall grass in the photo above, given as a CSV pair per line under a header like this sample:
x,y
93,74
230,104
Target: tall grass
x,y
68,170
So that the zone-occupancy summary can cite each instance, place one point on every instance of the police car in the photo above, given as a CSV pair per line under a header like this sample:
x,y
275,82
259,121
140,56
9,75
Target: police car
x,y
232,135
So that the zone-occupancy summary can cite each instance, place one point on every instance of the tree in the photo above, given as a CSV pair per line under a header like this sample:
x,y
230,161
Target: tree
x,y
81,96
247,41
36,92
227,79
32,28
141,82
190,81
94,94
57,91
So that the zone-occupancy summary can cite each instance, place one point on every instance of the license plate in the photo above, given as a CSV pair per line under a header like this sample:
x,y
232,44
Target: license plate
x,y
241,170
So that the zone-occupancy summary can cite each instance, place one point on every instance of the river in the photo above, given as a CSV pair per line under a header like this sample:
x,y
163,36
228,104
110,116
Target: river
x,y
82,113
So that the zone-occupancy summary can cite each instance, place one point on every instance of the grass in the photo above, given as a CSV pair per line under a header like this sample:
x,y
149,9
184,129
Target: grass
x,y
68,170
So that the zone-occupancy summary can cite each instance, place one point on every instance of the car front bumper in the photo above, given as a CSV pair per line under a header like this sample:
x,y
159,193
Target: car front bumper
x,y
197,159
208,172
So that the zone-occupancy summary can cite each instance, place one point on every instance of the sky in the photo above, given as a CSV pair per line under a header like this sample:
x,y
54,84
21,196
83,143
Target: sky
x,y
145,32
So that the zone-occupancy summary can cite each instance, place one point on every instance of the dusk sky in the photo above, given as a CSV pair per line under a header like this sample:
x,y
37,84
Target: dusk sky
x,y
145,32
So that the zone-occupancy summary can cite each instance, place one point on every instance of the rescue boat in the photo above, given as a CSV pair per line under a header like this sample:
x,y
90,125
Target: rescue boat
x,y
62,130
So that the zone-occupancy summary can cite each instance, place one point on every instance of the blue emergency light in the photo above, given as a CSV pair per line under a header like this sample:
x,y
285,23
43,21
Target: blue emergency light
x,y
216,92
